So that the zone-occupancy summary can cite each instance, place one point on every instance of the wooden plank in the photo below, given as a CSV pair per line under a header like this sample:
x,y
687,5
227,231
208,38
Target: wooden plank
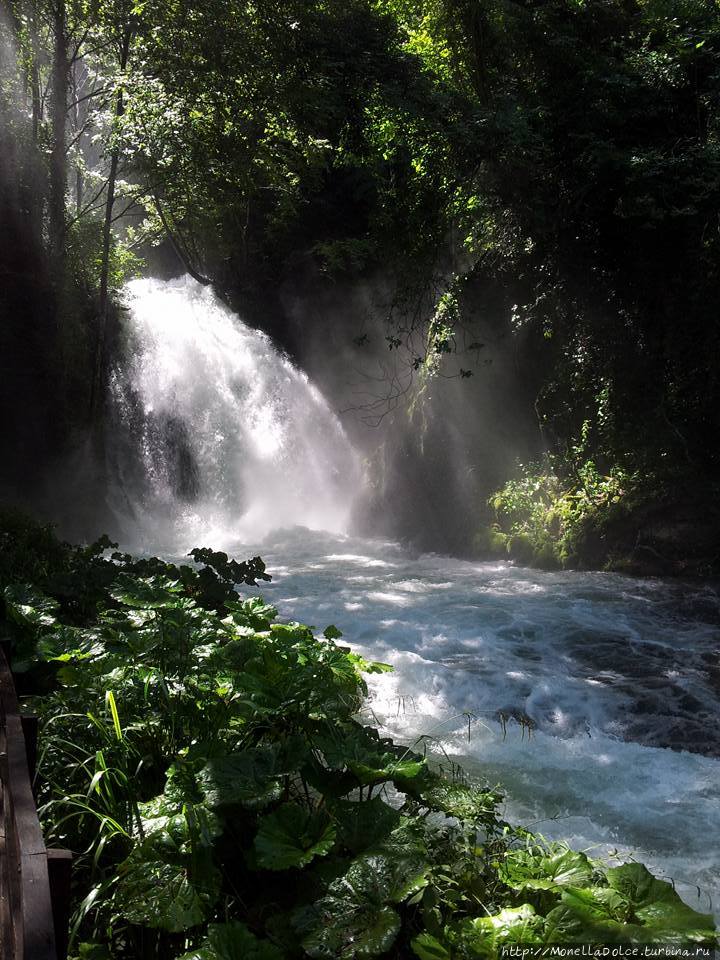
x,y
7,950
37,918
27,924
27,825
10,873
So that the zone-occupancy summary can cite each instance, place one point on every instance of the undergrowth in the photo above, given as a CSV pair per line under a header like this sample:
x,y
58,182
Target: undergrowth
x,y
544,519
205,763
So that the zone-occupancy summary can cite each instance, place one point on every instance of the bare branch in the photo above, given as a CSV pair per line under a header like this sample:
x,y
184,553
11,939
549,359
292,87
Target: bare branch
x,y
88,206
75,56
133,203
88,96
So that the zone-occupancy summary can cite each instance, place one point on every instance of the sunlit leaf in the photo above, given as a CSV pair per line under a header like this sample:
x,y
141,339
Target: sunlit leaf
x,y
28,606
233,941
148,593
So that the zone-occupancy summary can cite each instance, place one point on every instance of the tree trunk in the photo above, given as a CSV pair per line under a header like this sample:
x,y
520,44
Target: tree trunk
x,y
77,123
104,299
178,247
35,74
31,179
58,157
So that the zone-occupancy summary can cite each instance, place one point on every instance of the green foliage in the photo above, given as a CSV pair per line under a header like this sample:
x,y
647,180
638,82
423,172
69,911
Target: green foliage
x,y
84,251
233,941
206,763
563,155
543,520
291,837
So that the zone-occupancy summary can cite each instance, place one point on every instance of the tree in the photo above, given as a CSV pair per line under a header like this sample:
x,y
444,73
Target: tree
x,y
122,42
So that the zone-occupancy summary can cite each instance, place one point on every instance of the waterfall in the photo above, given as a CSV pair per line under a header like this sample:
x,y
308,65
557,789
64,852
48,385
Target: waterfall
x,y
217,437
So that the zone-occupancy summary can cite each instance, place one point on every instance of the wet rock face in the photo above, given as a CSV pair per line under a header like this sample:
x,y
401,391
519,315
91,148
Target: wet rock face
x,y
181,463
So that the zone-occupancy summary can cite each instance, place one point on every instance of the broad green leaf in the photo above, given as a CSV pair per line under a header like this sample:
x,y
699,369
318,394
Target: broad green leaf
x,y
389,874
426,947
65,644
613,915
233,941
657,905
355,917
254,613
352,934
369,666
169,880
458,800
247,778
596,904
357,749
28,606
512,925
177,813
364,824
377,666
155,894
291,837
149,593
588,915
93,951
525,870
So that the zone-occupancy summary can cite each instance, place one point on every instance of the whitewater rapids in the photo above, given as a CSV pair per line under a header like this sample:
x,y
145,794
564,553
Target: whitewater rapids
x,y
614,681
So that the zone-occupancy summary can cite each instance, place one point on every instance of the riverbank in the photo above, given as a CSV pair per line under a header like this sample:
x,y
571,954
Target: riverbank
x,y
227,798
616,521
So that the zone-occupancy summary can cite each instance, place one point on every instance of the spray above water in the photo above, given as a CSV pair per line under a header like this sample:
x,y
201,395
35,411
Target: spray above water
x,y
219,438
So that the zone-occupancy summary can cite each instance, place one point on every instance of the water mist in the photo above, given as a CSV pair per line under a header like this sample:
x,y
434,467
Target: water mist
x,y
218,437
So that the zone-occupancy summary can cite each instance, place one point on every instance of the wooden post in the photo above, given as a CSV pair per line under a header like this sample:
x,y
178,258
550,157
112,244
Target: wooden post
x,y
30,732
27,920
59,873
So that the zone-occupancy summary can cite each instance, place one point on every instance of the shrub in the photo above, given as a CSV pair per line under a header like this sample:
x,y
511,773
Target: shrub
x,y
544,520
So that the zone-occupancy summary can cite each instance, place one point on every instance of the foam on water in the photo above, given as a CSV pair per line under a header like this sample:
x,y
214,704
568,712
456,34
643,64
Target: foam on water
x,y
616,677
217,434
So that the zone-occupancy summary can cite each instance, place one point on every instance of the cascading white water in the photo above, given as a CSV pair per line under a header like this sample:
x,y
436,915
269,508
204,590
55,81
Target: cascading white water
x,y
219,437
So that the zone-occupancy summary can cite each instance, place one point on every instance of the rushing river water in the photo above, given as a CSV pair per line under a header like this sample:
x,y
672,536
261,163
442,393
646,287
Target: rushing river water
x,y
615,682
592,699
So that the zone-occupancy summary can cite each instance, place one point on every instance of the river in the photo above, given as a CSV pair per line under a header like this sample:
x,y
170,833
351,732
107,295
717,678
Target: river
x,y
591,698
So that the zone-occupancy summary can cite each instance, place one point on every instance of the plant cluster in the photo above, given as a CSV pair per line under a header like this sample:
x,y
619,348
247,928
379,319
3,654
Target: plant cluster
x,y
207,765
543,519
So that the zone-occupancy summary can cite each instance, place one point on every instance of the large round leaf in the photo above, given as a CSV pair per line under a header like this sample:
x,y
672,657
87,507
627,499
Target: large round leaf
x,y
160,895
246,778
361,932
526,870
291,837
233,941
355,918
364,824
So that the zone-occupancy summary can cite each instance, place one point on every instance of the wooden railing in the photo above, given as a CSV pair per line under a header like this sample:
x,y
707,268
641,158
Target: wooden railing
x,y
34,881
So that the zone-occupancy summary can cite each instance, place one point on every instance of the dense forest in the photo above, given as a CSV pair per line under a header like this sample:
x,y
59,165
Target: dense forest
x,y
551,166
479,240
